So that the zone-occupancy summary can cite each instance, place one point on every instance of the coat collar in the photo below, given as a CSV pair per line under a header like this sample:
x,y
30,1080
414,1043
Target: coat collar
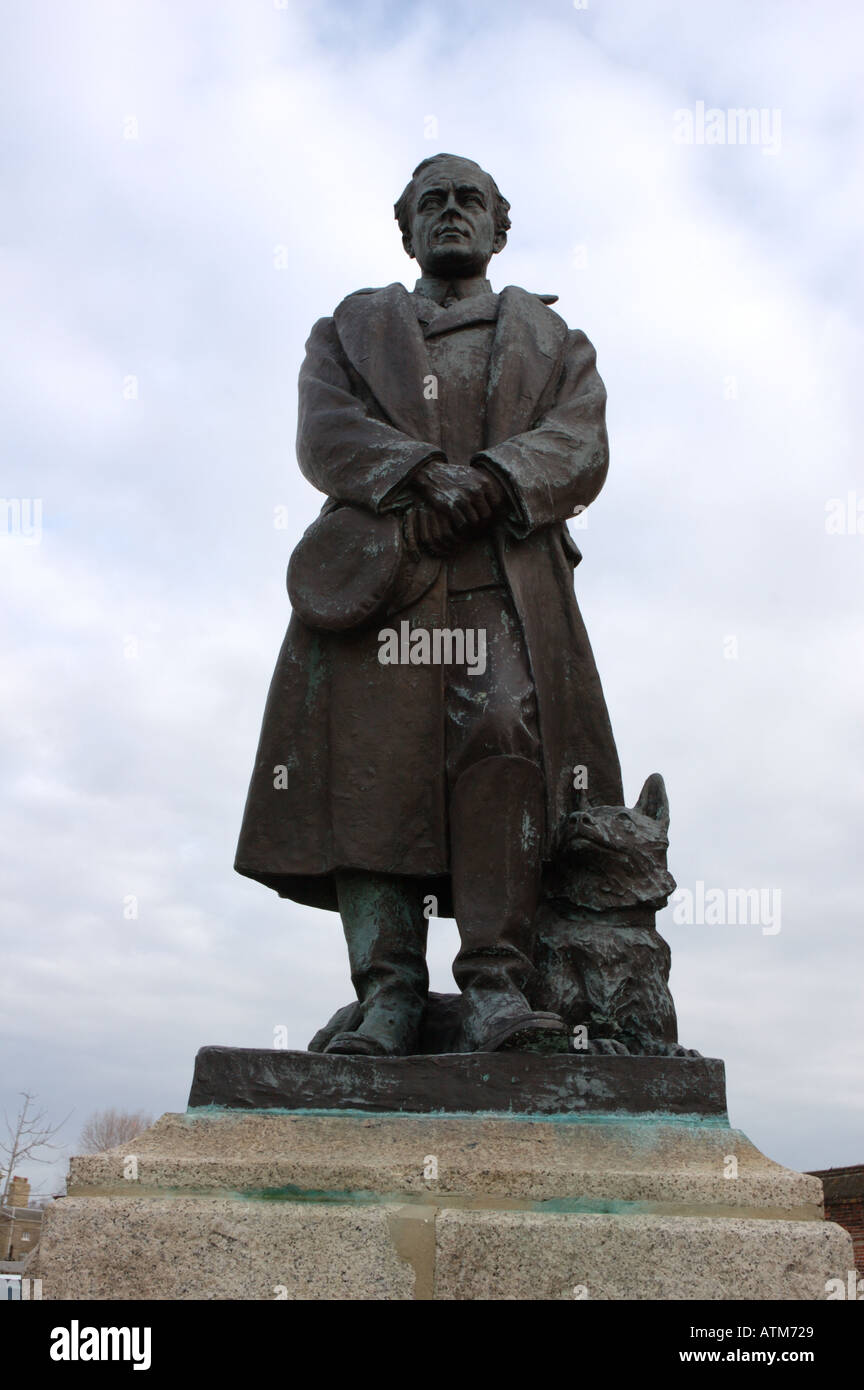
x,y
440,290
383,341
479,308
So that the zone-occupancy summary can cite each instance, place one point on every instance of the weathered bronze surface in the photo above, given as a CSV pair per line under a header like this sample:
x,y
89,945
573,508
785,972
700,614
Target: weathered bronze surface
x,y
436,704
508,1083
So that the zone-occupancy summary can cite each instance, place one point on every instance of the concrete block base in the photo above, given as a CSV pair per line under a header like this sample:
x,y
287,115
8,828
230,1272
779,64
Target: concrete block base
x,y
333,1206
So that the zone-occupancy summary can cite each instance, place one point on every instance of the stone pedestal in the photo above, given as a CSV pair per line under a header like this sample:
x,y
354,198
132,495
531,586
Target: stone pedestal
x,y
597,1203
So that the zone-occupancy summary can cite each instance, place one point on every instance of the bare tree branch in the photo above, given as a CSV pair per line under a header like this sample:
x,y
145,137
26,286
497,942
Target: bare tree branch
x,y
107,1129
29,1133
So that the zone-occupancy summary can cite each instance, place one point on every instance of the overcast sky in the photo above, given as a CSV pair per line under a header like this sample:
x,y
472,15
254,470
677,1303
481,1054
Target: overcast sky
x,y
189,186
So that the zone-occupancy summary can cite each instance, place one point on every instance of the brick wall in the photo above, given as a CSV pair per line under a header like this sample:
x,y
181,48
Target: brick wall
x,y
19,1192
20,1229
844,1203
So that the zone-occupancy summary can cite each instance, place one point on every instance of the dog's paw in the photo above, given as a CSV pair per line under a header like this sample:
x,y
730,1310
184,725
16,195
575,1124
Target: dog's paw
x,y
601,1047
664,1049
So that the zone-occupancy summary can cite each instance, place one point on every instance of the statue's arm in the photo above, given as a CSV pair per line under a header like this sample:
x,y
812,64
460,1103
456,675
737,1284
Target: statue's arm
x,y
556,468
342,448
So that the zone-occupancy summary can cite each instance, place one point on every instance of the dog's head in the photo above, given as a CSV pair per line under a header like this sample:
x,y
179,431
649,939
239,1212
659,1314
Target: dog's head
x,y
615,856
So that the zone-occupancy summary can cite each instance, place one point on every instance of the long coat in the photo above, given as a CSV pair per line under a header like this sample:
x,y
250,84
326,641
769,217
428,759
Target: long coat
x,y
363,744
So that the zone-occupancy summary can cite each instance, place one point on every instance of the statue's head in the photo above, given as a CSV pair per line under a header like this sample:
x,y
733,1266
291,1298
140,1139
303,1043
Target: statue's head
x,y
452,218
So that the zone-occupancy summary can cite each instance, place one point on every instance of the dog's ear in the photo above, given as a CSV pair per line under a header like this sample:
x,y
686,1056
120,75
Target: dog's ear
x,y
653,800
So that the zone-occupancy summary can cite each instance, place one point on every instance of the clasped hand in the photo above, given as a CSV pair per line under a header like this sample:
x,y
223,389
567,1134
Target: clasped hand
x,y
461,500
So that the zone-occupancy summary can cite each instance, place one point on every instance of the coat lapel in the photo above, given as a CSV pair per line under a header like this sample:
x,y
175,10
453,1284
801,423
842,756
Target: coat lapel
x,y
528,345
384,343
480,308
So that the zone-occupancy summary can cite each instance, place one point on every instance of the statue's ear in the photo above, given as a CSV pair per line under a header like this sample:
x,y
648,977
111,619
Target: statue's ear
x,y
653,800
409,249
499,242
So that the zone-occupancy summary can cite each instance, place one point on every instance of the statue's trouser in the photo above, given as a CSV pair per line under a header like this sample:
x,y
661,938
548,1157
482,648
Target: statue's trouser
x,y
497,821
497,815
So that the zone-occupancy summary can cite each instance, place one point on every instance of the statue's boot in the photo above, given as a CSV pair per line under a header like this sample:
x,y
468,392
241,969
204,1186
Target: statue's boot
x,y
385,929
497,815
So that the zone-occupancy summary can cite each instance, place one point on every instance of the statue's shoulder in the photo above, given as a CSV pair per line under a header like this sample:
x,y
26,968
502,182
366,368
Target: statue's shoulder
x,y
374,289
359,299
535,316
349,315
529,296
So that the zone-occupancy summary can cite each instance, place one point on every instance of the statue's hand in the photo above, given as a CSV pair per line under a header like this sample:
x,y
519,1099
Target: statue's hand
x,y
435,532
467,497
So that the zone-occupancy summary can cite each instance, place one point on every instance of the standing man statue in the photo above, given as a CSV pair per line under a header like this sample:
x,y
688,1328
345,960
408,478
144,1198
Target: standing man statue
x,y
453,431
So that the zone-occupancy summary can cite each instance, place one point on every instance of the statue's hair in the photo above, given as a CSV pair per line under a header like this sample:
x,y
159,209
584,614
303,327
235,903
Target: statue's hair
x,y
402,207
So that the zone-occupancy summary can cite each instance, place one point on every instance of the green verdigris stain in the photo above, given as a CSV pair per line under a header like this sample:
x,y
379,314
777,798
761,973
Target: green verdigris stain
x,y
555,1206
645,1125
290,1193
316,671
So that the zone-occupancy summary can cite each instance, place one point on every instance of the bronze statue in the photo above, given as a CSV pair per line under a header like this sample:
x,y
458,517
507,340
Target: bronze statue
x,y
436,700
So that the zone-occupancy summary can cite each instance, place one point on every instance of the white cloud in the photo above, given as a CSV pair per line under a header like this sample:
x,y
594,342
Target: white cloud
x,y
153,257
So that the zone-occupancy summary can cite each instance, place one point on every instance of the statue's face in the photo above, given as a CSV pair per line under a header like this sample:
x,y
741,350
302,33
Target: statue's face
x,y
453,222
